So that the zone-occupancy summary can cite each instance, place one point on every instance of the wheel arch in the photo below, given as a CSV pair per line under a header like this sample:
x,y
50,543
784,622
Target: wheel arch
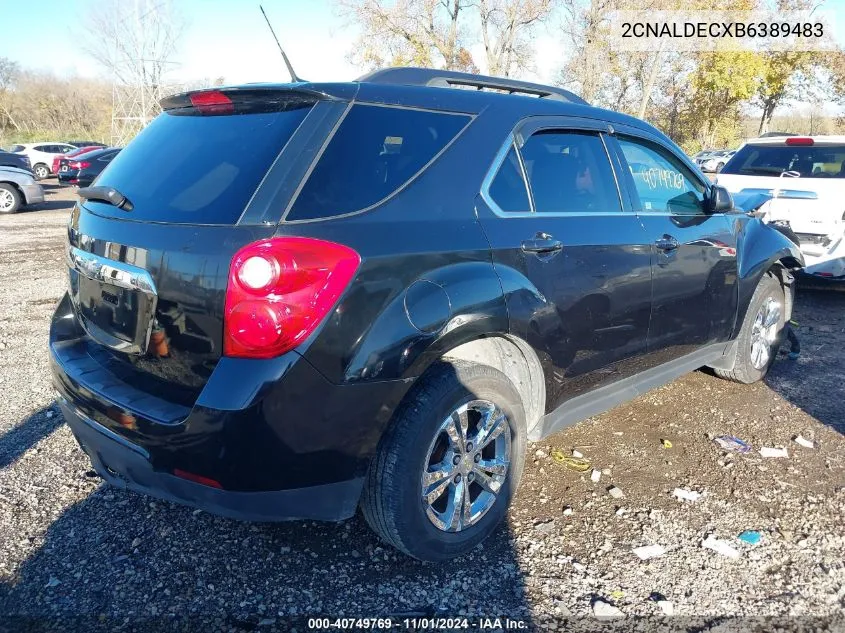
x,y
764,249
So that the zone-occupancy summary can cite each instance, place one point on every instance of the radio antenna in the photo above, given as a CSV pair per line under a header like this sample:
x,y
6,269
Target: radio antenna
x,y
293,76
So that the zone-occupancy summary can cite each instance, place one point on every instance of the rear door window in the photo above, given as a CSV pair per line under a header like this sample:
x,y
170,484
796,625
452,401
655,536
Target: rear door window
x,y
570,172
194,169
804,161
508,189
375,151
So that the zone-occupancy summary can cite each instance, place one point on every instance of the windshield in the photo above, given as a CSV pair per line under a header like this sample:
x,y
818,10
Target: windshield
x,y
805,161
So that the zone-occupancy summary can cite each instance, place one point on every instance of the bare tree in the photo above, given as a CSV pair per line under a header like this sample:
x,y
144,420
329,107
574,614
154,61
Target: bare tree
x,y
505,29
409,32
136,43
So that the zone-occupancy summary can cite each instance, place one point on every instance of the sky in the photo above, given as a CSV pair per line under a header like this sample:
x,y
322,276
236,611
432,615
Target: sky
x,y
229,39
223,38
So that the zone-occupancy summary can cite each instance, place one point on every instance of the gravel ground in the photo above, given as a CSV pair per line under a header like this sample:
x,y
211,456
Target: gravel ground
x,y
73,549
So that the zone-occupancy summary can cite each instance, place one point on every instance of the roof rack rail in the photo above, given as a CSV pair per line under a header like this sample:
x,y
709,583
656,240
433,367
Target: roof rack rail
x,y
409,76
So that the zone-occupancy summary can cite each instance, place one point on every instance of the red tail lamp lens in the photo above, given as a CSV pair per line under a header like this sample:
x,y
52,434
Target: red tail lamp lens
x,y
212,102
280,290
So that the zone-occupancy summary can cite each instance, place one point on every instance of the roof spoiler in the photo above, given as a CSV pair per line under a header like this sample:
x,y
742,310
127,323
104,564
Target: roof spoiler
x,y
409,76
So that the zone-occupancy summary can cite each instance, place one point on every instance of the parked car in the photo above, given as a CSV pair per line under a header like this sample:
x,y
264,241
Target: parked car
x,y
286,301
702,154
63,159
715,161
18,189
86,143
82,171
41,155
806,176
8,159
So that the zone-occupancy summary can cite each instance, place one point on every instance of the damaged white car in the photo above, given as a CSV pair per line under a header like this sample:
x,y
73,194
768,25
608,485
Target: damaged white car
x,y
805,178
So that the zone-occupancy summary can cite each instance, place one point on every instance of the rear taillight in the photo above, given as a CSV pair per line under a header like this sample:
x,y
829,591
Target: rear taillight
x,y
79,164
280,290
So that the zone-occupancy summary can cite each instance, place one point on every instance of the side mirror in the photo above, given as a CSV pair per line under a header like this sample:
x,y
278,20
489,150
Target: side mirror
x,y
720,200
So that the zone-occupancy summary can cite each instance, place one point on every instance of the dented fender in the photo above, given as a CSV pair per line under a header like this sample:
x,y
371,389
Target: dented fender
x,y
759,247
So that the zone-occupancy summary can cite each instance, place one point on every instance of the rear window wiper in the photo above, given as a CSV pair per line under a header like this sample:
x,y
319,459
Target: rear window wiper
x,y
109,195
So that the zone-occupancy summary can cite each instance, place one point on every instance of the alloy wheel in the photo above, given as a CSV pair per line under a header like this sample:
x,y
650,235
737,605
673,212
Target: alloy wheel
x,y
466,465
764,332
7,200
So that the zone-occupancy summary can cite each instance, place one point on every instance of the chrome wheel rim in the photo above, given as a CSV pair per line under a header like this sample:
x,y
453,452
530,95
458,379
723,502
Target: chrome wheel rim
x,y
41,172
7,201
764,332
466,466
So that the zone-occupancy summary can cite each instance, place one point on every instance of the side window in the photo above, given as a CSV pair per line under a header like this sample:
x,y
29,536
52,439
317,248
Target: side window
x,y
570,172
42,148
662,181
375,151
508,187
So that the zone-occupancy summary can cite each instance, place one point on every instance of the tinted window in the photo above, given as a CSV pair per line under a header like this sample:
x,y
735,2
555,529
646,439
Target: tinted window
x,y
508,187
42,148
662,181
17,148
810,161
570,172
374,152
195,169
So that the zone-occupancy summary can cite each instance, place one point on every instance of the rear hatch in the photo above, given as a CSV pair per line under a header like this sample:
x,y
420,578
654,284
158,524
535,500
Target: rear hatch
x,y
148,278
806,178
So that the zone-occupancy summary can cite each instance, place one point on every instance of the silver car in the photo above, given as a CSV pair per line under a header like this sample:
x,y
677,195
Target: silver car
x,y
18,189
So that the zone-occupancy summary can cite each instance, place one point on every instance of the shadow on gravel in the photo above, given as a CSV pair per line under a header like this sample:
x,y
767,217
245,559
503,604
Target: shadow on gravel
x,y
119,555
20,438
815,382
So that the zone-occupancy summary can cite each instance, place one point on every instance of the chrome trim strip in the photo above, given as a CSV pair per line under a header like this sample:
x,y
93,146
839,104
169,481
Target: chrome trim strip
x,y
121,275
111,272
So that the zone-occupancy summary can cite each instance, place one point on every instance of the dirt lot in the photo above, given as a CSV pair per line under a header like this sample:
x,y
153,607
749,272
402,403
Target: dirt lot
x,y
74,550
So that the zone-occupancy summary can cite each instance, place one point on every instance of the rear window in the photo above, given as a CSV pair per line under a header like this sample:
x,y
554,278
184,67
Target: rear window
x,y
375,151
806,161
193,169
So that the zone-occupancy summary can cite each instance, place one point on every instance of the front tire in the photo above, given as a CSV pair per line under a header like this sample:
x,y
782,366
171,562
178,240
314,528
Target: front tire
x,y
10,199
760,336
446,470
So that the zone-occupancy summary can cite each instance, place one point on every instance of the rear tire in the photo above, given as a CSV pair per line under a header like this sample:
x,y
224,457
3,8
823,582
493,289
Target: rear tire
x,y
10,199
418,455
41,171
760,336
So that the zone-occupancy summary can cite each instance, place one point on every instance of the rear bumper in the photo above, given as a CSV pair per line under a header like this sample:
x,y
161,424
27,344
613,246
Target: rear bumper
x,y
279,440
33,194
126,465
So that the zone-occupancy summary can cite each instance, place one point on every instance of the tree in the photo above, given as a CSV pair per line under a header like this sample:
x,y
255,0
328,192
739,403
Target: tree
x,y
136,44
409,32
505,28
9,73
784,74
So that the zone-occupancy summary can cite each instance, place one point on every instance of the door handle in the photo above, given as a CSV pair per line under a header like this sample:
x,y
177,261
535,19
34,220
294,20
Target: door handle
x,y
667,243
542,243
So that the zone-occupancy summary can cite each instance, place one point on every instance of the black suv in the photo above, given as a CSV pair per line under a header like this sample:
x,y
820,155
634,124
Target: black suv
x,y
288,301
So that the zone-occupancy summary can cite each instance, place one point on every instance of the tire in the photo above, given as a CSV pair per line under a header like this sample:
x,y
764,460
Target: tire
x,y
748,365
393,503
41,171
10,199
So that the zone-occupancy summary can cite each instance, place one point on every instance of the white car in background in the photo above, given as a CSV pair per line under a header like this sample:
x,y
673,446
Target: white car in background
x,y
715,161
18,189
41,155
805,176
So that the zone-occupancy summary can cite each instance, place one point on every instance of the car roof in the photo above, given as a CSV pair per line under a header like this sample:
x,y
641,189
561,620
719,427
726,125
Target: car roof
x,y
829,139
438,90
